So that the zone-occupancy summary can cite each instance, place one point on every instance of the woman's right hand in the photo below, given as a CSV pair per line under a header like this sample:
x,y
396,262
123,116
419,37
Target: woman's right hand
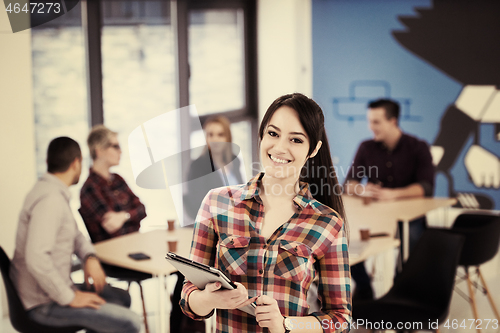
x,y
227,299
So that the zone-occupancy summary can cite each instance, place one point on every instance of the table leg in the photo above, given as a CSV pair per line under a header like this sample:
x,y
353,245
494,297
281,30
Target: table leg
x,y
159,309
447,216
399,260
163,318
406,239
388,275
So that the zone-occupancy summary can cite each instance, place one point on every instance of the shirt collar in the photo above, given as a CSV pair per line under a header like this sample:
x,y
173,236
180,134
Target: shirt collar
x,y
401,141
251,190
396,147
304,197
100,179
51,179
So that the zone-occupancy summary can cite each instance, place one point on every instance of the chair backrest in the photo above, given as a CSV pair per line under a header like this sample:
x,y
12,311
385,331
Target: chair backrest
x,y
17,313
428,276
482,237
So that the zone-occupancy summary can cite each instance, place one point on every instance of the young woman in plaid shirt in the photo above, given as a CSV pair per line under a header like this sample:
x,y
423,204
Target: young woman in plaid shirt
x,y
274,235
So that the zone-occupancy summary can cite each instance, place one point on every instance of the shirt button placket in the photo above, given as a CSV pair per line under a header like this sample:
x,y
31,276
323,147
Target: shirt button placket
x,y
264,256
265,247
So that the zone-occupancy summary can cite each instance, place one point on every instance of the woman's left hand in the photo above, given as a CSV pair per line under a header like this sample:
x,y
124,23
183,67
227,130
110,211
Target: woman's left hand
x,y
268,314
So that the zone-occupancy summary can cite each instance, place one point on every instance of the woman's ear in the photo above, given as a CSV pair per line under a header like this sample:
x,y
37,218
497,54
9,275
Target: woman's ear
x,y
98,152
315,151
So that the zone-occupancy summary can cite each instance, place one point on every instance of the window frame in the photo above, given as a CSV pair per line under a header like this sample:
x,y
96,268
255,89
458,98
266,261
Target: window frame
x,y
92,23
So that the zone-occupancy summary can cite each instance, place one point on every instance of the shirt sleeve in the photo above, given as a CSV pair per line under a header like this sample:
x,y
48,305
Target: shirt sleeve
x,y
357,170
92,209
82,246
136,208
334,288
203,250
425,169
45,224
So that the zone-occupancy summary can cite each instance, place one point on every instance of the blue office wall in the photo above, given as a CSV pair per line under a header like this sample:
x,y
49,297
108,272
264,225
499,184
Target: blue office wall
x,y
357,59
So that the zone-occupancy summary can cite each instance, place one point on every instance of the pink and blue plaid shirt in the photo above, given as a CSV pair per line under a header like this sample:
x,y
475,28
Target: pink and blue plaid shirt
x,y
312,243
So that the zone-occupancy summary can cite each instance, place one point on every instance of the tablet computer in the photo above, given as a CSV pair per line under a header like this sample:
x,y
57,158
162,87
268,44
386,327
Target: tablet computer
x,y
201,274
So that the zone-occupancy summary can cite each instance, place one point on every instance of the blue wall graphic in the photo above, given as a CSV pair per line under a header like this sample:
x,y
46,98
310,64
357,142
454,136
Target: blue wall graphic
x,y
419,53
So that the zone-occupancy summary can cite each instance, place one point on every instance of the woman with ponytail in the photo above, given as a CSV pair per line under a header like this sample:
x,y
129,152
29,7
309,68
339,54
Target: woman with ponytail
x,y
274,235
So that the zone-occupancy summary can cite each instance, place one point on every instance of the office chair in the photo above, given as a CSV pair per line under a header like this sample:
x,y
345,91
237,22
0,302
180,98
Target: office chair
x,y
128,275
422,293
17,313
482,238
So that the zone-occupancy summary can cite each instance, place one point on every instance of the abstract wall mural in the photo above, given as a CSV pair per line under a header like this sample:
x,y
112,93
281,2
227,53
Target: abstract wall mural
x,y
440,60
462,40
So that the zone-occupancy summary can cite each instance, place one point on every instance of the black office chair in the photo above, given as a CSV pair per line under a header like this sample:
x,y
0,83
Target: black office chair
x,y
128,275
18,316
422,293
482,239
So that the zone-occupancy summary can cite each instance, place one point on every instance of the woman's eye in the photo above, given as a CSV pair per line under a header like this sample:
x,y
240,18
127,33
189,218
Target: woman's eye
x,y
295,140
272,133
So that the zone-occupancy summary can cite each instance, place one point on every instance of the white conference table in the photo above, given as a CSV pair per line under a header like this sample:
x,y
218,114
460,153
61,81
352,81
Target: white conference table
x,y
382,216
154,243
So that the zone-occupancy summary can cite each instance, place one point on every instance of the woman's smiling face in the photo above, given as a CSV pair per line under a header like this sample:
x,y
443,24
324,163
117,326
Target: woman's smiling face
x,y
284,147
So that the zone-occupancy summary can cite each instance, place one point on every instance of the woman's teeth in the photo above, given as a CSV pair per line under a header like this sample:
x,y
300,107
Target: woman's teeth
x,y
277,160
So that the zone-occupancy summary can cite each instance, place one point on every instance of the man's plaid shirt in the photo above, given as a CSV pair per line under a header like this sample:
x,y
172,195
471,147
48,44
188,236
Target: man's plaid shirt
x,y
311,244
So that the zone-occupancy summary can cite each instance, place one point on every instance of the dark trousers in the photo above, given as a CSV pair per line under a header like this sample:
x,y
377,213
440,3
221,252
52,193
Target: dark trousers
x,y
179,322
176,316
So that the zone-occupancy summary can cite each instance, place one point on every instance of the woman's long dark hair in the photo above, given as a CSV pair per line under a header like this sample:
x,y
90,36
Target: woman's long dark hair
x,y
318,171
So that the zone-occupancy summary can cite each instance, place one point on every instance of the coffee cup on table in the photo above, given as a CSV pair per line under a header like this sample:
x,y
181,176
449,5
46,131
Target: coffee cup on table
x,y
364,233
171,225
172,245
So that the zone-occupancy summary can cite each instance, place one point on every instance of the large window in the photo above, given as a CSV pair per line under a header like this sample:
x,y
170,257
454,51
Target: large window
x,y
220,75
123,63
138,84
59,88
216,60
